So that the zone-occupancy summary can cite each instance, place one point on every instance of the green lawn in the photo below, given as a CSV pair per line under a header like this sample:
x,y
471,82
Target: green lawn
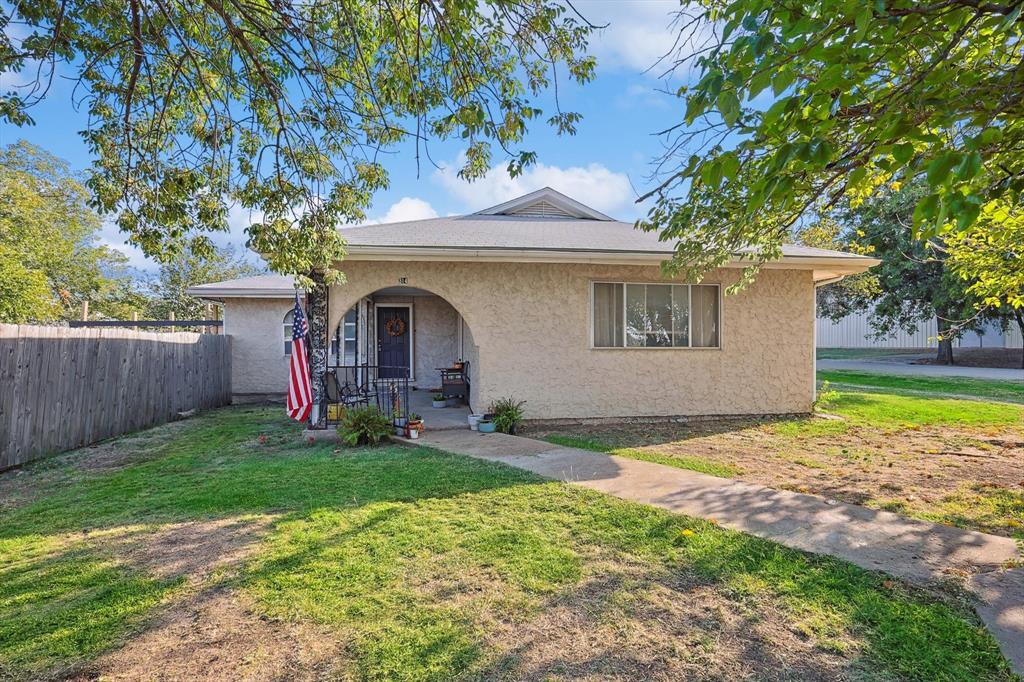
x,y
427,566
867,353
905,447
882,411
693,463
1009,391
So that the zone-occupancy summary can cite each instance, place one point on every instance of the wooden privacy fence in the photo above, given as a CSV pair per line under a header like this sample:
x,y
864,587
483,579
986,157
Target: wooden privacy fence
x,y
63,388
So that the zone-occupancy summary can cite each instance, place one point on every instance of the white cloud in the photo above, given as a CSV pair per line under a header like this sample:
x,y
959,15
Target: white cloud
x,y
645,96
238,220
638,33
593,184
405,209
110,236
408,208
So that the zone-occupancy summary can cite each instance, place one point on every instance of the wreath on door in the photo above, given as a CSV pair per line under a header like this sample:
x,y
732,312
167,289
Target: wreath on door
x,y
395,326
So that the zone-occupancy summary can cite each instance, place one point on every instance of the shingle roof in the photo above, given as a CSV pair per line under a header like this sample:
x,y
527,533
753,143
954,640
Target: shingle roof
x,y
544,220
267,286
529,233
542,225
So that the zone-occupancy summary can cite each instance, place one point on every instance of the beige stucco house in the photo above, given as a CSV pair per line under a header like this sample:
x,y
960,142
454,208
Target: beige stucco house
x,y
556,304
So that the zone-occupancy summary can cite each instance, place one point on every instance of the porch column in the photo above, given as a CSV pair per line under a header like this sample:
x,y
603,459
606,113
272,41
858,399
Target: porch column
x,y
316,312
364,332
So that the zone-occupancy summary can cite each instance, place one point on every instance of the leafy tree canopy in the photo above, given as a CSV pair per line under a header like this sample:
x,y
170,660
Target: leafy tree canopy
x,y
990,257
915,281
50,258
794,105
167,290
285,108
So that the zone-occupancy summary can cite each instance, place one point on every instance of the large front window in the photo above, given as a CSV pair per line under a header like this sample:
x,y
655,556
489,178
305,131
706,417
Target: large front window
x,y
630,315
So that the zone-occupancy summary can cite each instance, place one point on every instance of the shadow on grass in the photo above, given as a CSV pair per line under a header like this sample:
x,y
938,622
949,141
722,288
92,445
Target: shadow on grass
x,y
67,607
488,584
419,556
218,468
62,603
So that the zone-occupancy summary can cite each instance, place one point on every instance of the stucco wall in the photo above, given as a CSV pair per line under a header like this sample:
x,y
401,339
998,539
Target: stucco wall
x,y
258,362
531,327
471,354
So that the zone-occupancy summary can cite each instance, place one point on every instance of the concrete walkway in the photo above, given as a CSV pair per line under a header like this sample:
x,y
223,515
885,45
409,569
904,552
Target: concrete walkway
x,y
905,368
916,551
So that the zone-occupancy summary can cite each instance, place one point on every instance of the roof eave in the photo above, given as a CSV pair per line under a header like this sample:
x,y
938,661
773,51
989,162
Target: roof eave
x,y
839,265
222,293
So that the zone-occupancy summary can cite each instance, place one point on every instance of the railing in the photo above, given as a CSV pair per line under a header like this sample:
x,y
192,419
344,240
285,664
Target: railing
x,y
351,386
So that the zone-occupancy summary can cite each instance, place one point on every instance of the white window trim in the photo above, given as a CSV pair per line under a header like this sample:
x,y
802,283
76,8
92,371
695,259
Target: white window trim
x,y
689,293
285,324
340,330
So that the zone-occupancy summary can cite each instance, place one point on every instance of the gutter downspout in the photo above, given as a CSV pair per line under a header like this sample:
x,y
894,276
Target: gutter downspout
x,y
814,356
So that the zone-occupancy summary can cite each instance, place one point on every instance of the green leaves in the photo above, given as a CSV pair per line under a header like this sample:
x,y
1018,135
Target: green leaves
x,y
939,169
286,108
903,152
863,97
729,106
50,256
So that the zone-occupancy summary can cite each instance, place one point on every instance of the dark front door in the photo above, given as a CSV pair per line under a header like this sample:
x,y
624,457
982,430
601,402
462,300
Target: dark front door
x,y
394,336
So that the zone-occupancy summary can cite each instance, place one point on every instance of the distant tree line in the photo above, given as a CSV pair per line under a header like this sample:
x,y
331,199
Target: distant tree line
x,y
963,280
52,259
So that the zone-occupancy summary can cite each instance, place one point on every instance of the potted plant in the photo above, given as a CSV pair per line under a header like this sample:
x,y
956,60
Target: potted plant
x,y
508,413
400,424
486,425
438,400
415,426
474,421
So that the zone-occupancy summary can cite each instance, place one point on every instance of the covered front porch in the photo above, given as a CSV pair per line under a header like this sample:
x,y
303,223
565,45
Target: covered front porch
x,y
395,349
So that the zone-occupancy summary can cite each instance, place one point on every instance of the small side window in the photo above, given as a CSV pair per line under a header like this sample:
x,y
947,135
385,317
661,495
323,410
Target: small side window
x,y
288,332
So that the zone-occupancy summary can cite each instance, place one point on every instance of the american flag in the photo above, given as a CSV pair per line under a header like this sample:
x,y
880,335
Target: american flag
x,y
300,390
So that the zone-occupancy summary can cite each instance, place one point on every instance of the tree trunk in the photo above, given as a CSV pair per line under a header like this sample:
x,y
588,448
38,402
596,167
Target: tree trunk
x,y
1018,314
945,354
316,313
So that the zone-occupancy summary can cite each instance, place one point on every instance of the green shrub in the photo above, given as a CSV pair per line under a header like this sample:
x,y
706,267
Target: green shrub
x,y
508,413
826,396
364,426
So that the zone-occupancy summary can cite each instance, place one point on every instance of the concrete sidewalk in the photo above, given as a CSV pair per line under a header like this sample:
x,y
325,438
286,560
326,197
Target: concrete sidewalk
x,y
916,551
903,367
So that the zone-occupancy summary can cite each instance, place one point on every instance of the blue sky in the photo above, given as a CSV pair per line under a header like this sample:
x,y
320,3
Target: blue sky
x,y
604,165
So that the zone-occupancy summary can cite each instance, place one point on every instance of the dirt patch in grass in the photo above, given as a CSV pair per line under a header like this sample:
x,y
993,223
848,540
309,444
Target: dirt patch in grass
x,y
624,623
215,635
209,630
195,550
965,476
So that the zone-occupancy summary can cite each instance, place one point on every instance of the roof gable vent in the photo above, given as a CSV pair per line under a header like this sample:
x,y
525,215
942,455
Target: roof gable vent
x,y
545,203
541,208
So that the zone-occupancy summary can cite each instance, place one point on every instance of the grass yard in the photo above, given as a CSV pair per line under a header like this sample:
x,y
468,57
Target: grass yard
x,y
203,550
870,353
897,444
960,387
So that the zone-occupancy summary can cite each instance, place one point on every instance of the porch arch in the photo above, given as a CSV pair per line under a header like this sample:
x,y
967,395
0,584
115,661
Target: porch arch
x,y
440,331
342,297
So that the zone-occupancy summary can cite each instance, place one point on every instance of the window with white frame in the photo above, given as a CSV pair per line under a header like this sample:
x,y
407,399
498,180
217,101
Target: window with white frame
x,y
288,319
628,315
343,345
